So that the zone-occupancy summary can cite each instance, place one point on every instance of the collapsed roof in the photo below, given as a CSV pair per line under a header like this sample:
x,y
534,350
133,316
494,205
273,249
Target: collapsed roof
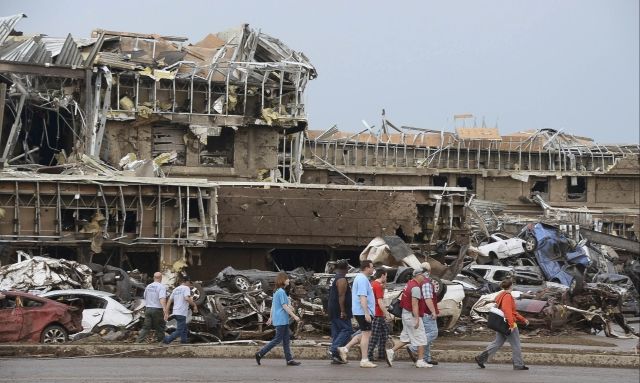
x,y
229,53
238,77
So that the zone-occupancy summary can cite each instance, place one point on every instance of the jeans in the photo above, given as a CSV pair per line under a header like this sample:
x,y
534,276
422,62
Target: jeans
x,y
181,330
341,332
282,335
514,340
431,329
153,318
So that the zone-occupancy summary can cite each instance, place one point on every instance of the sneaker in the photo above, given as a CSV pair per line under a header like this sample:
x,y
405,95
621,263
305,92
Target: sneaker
x,y
258,357
521,368
479,361
337,360
412,354
293,363
423,364
367,364
342,351
330,354
433,362
388,356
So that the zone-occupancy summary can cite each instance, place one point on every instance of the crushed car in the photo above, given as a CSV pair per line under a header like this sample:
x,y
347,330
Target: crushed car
x,y
101,310
501,246
28,318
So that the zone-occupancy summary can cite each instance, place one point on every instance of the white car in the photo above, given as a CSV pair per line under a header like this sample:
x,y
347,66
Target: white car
x,y
501,246
494,274
102,310
524,272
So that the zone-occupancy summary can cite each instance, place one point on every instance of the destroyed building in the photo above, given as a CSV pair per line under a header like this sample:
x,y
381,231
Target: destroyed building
x,y
148,149
142,151
589,183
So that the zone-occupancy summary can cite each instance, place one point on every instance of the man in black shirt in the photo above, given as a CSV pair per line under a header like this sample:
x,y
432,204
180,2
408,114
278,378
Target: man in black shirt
x,y
339,306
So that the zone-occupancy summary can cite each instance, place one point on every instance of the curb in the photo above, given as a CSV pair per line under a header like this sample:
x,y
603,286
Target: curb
x,y
603,359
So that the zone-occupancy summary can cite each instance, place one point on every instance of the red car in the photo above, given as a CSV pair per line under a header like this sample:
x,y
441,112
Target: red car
x,y
29,318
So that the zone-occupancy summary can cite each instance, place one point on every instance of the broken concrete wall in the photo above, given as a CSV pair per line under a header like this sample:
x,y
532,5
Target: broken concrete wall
x,y
400,180
255,149
502,189
319,217
617,190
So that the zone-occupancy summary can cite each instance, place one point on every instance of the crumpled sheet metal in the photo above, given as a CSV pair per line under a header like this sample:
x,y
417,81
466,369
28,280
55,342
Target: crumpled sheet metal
x,y
45,274
396,253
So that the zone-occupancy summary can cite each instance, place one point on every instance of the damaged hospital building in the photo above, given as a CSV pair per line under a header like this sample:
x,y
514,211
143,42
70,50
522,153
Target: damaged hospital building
x,y
144,150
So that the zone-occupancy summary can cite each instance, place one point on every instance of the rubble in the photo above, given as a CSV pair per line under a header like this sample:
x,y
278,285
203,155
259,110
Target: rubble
x,y
129,147
44,274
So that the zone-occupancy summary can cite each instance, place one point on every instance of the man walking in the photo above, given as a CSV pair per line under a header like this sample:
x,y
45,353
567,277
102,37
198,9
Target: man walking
x,y
339,307
363,308
155,297
429,320
379,326
413,309
181,298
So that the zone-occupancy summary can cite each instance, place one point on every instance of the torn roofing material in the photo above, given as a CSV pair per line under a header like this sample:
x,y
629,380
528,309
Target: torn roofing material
x,y
7,24
232,53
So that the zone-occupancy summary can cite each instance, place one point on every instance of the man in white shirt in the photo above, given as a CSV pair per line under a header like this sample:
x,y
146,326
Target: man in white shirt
x,y
155,297
181,299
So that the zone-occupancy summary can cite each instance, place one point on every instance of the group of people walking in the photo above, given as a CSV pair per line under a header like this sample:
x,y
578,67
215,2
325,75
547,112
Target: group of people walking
x,y
363,302
157,307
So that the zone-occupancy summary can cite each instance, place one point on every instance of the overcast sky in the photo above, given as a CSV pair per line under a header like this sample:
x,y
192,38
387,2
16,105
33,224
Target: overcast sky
x,y
570,64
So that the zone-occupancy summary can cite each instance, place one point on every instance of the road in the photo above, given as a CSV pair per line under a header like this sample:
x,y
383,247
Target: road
x,y
122,370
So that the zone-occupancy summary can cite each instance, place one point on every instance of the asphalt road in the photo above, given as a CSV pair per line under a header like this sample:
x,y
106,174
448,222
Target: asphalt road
x,y
121,370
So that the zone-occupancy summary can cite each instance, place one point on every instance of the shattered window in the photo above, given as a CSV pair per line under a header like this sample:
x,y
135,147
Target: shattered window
x,y
576,188
218,151
501,275
93,302
540,186
8,302
440,180
465,182
26,302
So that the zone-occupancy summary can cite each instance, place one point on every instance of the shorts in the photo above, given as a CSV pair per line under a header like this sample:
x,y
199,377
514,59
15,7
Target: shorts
x,y
410,334
362,323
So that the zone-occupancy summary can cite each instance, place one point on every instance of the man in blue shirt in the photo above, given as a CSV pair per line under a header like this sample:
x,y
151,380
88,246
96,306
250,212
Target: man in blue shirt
x,y
363,306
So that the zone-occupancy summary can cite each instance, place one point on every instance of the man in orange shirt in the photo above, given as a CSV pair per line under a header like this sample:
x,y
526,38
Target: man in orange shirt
x,y
506,303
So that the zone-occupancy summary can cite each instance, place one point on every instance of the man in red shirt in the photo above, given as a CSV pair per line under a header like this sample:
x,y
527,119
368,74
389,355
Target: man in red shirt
x,y
379,326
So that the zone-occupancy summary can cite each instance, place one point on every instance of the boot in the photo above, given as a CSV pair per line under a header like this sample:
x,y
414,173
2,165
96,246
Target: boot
x,y
482,359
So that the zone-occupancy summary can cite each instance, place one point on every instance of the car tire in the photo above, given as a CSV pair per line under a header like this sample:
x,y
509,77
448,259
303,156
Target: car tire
x,y
530,243
241,283
54,334
404,276
439,287
577,285
198,294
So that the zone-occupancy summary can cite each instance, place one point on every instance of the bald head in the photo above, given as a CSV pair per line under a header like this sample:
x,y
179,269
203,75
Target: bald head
x,y
157,276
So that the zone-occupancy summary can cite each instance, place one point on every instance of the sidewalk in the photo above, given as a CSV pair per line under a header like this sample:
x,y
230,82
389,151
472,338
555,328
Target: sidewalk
x,y
620,352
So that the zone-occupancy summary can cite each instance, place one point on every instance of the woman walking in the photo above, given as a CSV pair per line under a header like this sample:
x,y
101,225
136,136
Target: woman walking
x,y
506,303
280,312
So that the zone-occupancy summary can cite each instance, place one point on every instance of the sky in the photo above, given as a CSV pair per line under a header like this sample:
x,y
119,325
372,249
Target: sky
x,y
518,64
